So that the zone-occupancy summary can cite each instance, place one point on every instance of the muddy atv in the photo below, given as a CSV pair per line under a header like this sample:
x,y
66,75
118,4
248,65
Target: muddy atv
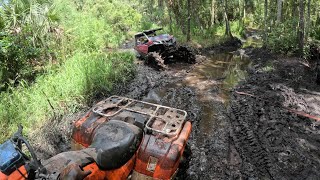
x,y
119,138
159,49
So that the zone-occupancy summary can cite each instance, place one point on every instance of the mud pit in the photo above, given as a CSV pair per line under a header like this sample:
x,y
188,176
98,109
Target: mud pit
x,y
203,90
245,131
250,135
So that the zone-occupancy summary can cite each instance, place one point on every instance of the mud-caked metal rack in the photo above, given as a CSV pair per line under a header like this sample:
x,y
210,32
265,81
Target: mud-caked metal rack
x,y
153,117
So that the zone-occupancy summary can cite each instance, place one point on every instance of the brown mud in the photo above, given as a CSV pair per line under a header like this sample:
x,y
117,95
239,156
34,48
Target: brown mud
x,y
273,142
238,104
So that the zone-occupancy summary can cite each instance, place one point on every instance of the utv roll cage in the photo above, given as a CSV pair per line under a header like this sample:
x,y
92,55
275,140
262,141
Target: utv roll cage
x,y
146,33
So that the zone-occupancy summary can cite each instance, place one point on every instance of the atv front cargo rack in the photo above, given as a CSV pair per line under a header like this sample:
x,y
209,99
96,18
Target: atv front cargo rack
x,y
160,119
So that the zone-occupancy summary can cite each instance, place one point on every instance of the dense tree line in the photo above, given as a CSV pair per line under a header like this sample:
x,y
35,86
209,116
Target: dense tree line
x,y
285,25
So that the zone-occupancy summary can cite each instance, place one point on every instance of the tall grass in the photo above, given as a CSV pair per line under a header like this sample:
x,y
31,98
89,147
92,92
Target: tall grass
x,y
86,68
62,91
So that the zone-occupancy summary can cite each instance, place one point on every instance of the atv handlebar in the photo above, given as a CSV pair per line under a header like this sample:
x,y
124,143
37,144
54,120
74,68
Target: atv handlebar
x,y
18,139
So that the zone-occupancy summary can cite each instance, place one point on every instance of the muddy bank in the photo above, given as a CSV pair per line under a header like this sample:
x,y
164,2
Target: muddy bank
x,y
272,142
228,45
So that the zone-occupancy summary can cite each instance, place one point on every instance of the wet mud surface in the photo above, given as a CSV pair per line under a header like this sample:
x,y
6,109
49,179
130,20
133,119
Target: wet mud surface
x,y
273,142
203,91
239,104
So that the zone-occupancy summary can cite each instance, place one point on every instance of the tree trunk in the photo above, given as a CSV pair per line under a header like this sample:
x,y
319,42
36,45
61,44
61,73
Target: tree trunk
x,y
279,11
170,20
189,21
244,9
308,20
178,16
301,27
213,12
228,30
151,6
294,8
265,22
160,3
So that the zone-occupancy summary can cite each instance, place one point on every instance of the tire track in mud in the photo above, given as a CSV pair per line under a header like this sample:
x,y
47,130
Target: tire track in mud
x,y
247,143
274,143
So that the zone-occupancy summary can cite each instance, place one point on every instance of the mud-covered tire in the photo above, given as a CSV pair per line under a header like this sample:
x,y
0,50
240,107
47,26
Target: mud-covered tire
x,y
318,74
185,54
154,60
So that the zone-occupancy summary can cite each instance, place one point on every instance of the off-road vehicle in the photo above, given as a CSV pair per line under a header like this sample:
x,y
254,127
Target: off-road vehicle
x,y
119,138
159,49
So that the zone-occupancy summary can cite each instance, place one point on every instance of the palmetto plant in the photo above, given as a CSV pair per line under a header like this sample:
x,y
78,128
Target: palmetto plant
x,y
24,37
31,18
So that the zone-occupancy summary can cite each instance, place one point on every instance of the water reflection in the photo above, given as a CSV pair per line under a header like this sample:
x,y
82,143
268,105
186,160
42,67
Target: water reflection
x,y
212,81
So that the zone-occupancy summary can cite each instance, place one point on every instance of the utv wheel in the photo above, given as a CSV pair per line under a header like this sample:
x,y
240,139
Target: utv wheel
x,y
186,54
154,60
318,74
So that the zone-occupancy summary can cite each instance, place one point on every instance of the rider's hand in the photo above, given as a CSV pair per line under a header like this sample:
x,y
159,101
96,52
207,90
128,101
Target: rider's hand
x,y
73,172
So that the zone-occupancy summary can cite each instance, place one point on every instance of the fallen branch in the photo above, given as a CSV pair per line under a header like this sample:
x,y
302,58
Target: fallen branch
x,y
301,113
244,93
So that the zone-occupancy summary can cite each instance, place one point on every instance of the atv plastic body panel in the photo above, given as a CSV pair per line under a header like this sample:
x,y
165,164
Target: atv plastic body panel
x,y
165,133
20,174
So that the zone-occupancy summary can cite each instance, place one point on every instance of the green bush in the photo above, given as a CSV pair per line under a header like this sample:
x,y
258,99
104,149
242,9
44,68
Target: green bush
x,y
315,32
16,55
24,39
282,38
98,24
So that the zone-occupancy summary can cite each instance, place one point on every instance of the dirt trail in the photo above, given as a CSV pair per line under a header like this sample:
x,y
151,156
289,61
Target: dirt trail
x,y
203,90
239,136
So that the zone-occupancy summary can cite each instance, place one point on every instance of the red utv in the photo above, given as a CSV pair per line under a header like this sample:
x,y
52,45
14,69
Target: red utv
x,y
158,49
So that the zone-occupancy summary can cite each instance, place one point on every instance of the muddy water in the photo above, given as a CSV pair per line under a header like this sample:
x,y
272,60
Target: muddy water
x,y
211,80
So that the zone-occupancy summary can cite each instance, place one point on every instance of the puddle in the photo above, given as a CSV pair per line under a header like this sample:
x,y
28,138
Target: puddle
x,y
211,80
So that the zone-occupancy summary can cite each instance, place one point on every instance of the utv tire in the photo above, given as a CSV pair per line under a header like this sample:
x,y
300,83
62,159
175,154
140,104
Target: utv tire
x,y
154,60
185,54
318,74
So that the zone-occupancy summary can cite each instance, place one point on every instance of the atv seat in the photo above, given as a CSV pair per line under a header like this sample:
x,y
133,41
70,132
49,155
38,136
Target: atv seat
x,y
114,144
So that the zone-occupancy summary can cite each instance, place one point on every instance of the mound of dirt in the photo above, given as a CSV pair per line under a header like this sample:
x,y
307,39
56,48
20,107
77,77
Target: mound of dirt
x,y
273,142
229,45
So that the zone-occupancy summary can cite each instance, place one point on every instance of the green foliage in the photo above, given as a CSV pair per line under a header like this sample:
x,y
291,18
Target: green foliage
x,y
1,21
16,55
98,24
24,38
64,90
283,38
315,32
77,33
